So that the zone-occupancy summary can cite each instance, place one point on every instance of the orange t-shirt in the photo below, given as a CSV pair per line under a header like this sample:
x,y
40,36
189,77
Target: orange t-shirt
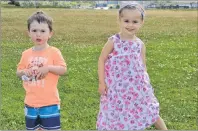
x,y
42,92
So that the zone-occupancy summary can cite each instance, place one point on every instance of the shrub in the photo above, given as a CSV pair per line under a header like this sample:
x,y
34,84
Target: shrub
x,y
117,6
17,3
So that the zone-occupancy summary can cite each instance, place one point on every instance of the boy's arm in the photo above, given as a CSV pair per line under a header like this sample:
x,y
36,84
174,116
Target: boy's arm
x,y
107,49
55,69
21,67
58,68
143,54
20,73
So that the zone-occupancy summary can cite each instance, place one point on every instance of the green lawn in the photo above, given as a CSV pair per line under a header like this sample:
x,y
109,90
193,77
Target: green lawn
x,y
170,38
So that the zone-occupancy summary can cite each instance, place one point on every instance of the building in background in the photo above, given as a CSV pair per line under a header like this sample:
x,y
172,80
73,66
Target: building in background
x,y
163,4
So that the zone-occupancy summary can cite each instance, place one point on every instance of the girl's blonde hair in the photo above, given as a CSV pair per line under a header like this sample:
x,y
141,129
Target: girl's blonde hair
x,y
133,6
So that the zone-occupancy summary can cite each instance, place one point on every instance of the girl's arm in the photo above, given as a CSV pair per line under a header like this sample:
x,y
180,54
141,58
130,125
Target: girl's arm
x,y
107,49
143,54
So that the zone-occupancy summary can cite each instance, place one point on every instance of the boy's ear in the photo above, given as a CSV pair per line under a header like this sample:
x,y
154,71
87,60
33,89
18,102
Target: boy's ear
x,y
51,34
28,33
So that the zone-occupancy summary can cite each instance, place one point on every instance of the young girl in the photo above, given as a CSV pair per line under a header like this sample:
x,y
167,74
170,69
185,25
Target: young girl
x,y
127,99
39,68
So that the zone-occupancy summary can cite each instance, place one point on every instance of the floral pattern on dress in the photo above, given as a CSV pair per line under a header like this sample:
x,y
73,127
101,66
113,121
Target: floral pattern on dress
x,y
130,103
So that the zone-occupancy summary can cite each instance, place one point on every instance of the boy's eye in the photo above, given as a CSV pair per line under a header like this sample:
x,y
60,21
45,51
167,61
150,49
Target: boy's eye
x,y
126,21
33,30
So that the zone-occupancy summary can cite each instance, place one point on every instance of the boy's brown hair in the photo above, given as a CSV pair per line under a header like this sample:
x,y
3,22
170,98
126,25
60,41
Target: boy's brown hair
x,y
40,17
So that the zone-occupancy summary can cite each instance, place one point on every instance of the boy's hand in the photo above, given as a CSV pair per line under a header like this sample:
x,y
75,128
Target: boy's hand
x,y
42,72
102,89
27,72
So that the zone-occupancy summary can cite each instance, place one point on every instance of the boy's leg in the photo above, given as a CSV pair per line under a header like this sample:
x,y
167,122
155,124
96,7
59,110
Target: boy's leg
x,y
31,118
50,117
160,125
40,129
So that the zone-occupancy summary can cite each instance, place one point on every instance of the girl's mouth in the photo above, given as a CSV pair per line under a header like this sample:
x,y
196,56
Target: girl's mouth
x,y
130,30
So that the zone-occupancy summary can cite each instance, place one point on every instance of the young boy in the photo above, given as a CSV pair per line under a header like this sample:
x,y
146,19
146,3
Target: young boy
x,y
39,68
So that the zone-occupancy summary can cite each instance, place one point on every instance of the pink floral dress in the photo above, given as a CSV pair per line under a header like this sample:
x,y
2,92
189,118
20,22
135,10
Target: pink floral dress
x,y
130,103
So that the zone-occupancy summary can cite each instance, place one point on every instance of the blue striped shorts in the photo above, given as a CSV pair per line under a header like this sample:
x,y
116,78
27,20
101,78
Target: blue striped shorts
x,y
47,117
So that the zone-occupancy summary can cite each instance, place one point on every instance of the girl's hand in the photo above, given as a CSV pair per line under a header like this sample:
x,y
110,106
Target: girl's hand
x,y
42,72
102,89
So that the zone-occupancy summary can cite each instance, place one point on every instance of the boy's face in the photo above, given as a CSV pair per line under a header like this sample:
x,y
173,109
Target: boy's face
x,y
39,33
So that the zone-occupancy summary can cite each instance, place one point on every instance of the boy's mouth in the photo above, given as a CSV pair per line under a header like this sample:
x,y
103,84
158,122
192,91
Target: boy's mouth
x,y
38,40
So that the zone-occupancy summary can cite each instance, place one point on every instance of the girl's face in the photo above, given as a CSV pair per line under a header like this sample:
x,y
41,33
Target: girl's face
x,y
39,33
130,22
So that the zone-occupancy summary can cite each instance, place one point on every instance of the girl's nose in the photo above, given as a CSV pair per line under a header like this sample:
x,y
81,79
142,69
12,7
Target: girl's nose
x,y
130,24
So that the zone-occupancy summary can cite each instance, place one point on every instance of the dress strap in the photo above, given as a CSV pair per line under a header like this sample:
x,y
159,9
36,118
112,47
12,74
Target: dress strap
x,y
115,38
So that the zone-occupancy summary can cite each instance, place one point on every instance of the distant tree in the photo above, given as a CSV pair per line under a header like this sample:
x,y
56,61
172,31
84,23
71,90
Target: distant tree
x,y
16,3
117,6
12,2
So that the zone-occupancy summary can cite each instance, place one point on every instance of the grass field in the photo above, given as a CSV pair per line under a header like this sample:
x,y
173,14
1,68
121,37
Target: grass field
x,y
171,42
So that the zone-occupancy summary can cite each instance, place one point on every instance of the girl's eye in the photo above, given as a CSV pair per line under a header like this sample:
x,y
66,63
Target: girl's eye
x,y
42,31
135,21
126,21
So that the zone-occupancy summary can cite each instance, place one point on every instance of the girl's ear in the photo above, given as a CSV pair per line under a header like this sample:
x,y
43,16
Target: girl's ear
x,y
118,20
142,23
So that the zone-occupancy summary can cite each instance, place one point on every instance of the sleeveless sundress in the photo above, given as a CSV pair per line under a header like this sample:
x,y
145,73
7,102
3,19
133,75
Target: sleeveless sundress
x,y
130,103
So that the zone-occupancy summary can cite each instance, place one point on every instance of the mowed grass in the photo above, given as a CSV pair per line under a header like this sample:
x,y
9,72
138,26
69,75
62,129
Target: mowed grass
x,y
170,39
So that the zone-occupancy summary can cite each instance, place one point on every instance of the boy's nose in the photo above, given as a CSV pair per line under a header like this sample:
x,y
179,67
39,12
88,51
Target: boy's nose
x,y
38,34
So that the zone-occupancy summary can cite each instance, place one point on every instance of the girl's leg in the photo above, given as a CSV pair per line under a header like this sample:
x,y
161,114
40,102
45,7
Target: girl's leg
x,y
160,125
